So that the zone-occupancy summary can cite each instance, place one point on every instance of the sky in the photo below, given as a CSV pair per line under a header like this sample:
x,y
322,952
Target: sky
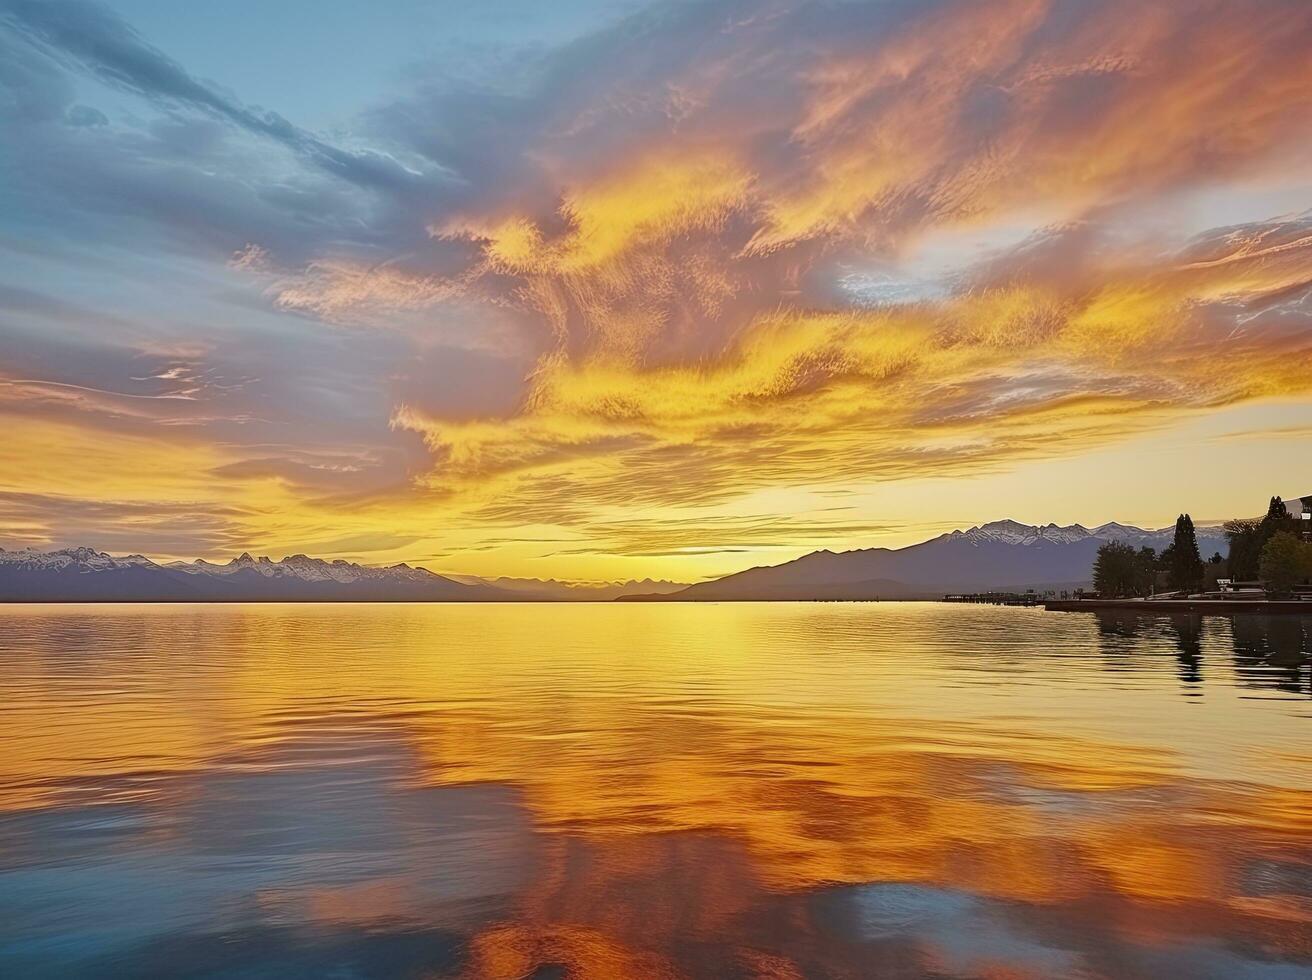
x,y
603,291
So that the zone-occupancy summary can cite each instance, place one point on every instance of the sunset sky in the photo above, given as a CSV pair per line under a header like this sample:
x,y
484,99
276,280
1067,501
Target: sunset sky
x,y
614,290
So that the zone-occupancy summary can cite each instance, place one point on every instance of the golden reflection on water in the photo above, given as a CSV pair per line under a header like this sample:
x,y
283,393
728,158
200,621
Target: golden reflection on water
x,y
631,790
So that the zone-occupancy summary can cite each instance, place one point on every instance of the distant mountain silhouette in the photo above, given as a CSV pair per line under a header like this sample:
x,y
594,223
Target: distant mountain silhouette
x,y
86,575
554,590
1004,555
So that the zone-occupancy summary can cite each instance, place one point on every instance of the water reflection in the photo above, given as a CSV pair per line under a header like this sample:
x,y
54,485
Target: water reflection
x,y
1266,651
714,791
1274,650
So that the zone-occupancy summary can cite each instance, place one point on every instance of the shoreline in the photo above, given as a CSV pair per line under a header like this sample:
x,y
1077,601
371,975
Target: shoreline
x,y
1209,607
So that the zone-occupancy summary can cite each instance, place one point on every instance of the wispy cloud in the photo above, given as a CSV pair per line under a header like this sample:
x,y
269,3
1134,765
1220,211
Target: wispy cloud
x,y
95,39
1279,433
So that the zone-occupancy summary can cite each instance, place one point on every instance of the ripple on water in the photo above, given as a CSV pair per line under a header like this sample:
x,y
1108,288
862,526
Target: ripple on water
x,y
828,789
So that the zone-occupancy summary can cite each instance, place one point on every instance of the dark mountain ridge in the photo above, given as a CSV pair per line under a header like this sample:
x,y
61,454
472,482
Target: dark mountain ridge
x,y
1001,556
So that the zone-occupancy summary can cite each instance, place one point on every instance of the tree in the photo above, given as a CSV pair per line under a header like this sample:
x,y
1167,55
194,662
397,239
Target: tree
x,y
1285,561
1277,519
1167,558
1186,565
1119,571
1246,542
1146,573
1276,511
1148,565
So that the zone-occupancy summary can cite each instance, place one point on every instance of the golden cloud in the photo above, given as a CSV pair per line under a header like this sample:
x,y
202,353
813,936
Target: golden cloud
x,y
699,349
983,378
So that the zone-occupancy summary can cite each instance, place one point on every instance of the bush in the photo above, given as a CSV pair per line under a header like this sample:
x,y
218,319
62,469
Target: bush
x,y
1285,562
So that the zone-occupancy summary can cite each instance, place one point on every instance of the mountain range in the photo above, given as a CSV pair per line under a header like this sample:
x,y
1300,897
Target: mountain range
x,y
87,575
1003,555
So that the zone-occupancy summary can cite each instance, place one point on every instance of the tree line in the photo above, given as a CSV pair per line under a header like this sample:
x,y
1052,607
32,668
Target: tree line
x,y
1270,551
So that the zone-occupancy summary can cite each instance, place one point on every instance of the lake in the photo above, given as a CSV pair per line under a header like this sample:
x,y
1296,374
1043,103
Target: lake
x,y
653,790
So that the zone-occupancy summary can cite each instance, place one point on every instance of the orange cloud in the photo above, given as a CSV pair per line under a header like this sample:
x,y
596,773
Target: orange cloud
x,y
983,378
975,108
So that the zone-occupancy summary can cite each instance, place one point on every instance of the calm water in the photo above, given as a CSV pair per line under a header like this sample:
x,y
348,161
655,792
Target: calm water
x,y
832,790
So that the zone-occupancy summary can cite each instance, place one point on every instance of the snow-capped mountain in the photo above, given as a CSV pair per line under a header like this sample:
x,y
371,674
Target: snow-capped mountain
x,y
1013,532
80,559
74,574
83,574
1003,555
307,569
